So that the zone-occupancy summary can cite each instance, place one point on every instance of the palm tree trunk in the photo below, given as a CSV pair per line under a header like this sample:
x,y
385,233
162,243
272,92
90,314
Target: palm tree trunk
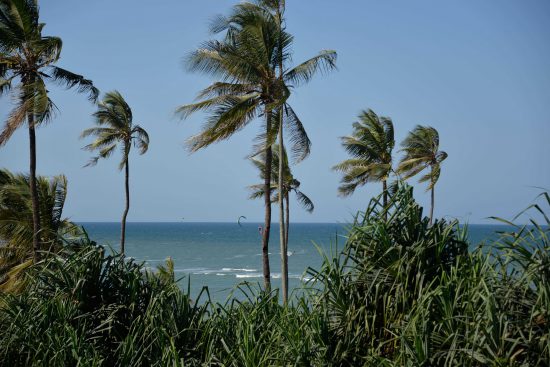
x,y
267,203
282,237
33,189
432,206
127,189
385,198
287,209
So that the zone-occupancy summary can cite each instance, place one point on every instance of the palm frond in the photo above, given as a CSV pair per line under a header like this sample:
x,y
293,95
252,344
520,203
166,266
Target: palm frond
x,y
140,138
296,132
225,120
16,118
304,201
303,73
70,80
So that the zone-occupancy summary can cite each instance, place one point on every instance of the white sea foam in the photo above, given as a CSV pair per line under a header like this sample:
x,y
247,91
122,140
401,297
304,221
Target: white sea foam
x,y
273,276
236,256
189,270
207,272
239,269
248,275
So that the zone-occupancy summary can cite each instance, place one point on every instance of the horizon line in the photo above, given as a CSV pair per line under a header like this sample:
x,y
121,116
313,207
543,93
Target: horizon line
x,y
249,222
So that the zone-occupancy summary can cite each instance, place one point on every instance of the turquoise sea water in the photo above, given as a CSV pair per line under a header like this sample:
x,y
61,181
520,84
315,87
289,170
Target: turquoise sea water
x,y
222,255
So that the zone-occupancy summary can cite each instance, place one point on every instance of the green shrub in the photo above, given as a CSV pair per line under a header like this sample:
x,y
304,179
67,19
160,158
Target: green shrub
x,y
403,292
87,306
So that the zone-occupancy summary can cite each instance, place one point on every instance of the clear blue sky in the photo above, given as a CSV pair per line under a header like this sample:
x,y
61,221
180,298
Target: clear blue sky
x,y
478,71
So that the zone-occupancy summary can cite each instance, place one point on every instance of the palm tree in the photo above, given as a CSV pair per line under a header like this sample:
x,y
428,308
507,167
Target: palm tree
x,y
16,223
371,145
27,61
114,126
246,62
290,184
421,149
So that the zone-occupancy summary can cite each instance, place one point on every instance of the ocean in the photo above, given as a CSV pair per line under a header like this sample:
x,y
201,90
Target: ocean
x,y
222,255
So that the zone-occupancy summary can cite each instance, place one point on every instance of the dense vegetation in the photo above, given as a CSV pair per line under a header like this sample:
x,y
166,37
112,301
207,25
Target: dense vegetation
x,y
16,224
401,292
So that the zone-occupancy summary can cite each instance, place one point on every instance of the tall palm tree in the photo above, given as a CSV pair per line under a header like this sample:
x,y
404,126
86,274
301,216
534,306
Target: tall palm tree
x,y
279,11
290,184
16,223
421,149
371,145
27,61
246,62
115,126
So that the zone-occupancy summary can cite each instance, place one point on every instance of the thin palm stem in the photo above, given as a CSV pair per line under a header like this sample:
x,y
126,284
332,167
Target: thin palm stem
x,y
267,203
282,237
33,189
432,203
287,210
385,198
127,208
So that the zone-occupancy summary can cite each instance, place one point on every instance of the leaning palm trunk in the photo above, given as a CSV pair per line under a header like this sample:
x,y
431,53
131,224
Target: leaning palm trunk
x,y
34,192
123,223
267,201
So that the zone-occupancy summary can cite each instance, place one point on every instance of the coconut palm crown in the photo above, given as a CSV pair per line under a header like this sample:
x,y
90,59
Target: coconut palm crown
x,y
291,184
421,148
370,145
114,129
28,57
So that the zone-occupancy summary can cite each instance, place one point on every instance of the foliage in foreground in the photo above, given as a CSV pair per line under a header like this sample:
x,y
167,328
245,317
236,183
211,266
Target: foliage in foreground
x,y
16,224
401,292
